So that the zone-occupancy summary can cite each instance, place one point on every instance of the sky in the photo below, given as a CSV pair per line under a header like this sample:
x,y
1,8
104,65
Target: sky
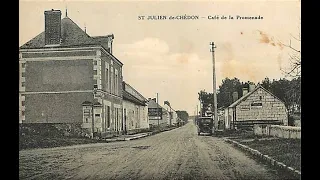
x,y
172,57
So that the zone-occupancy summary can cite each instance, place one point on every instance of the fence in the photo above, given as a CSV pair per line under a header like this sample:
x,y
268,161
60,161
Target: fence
x,y
278,131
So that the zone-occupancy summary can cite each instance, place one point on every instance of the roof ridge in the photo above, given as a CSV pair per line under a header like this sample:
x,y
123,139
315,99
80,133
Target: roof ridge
x,y
249,93
243,97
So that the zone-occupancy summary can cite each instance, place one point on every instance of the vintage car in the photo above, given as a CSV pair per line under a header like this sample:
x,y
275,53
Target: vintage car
x,y
205,125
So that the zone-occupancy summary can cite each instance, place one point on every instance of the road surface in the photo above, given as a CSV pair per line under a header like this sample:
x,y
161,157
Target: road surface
x,y
175,154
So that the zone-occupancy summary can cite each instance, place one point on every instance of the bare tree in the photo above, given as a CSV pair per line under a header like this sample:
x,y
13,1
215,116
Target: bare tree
x,y
294,69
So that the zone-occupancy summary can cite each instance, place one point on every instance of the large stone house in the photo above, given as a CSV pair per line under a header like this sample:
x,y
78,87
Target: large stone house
x,y
135,110
256,106
64,71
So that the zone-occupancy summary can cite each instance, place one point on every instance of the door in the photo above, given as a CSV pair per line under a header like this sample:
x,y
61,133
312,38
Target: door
x,y
108,117
125,120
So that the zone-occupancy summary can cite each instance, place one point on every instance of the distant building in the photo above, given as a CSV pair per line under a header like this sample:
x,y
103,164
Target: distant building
x,y
172,116
157,114
135,109
63,71
257,106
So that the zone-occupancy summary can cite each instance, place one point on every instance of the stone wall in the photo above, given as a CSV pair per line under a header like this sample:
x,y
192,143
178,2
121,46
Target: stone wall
x,y
278,131
53,130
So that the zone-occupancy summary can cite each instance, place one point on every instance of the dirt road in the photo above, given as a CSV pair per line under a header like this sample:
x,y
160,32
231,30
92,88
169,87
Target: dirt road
x,y
175,154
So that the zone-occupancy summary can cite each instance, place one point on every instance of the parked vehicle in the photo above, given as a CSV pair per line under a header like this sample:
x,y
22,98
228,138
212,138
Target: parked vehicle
x,y
205,125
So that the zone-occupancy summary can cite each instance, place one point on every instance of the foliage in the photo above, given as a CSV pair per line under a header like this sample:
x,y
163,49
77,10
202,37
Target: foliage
x,y
228,86
288,91
206,99
183,115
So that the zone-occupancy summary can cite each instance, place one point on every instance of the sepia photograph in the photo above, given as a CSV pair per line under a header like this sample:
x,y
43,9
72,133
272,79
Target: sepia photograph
x,y
158,89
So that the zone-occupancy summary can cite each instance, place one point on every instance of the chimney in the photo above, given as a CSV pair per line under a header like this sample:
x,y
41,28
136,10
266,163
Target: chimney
x,y
234,96
244,91
251,87
52,27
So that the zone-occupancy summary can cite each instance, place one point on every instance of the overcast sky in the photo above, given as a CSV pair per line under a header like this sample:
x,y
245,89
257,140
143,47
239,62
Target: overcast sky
x,y
172,57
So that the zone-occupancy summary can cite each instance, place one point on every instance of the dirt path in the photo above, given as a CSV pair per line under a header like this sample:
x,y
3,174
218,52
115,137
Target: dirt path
x,y
175,154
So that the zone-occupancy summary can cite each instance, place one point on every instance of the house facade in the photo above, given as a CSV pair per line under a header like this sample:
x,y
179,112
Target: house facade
x,y
135,110
256,106
158,115
172,116
67,76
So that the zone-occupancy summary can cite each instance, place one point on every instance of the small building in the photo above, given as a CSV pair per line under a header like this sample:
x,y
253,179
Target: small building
x,y
158,116
135,110
67,76
257,106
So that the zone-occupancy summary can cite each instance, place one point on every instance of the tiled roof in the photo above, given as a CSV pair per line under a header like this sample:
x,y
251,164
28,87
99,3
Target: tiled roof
x,y
71,34
127,96
153,104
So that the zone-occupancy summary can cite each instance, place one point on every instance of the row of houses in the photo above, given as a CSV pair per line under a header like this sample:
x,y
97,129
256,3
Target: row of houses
x,y
67,76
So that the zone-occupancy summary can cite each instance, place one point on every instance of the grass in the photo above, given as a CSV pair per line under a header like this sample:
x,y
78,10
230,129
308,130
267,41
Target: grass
x,y
287,151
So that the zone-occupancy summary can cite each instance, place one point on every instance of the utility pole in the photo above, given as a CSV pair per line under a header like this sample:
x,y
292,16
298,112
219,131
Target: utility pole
x,y
200,109
158,110
197,111
214,86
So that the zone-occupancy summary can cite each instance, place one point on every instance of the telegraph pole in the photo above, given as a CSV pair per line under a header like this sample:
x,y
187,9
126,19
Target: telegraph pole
x,y
158,111
197,111
214,86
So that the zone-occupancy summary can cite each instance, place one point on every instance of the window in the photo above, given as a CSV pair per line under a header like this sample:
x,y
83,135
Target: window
x,y
22,103
23,74
95,72
22,113
260,98
108,116
112,85
23,65
97,115
107,76
95,63
23,84
116,84
95,83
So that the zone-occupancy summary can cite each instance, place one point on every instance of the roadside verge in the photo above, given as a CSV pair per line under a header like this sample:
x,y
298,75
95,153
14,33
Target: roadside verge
x,y
137,136
265,158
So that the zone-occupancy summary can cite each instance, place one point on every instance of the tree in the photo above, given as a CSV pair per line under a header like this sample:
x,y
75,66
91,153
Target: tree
x,y
206,99
228,86
287,91
266,84
294,69
183,115
294,94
